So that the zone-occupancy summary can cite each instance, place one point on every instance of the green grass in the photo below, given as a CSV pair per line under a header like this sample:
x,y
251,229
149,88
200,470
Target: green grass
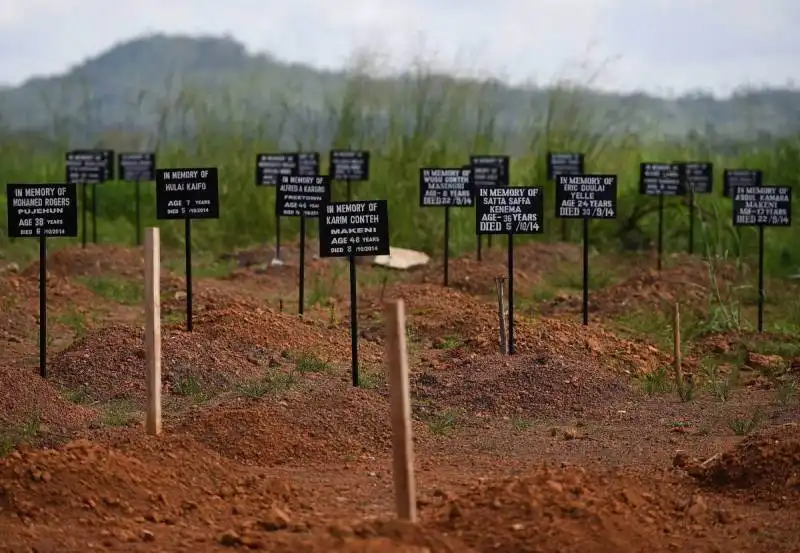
x,y
12,436
120,412
126,292
272,383
425,125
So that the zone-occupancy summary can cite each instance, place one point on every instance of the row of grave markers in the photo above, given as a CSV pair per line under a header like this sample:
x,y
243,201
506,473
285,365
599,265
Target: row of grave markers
x,y
361,228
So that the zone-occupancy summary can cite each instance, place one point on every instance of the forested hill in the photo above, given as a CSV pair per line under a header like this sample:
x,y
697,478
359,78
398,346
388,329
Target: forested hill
x,y
133,84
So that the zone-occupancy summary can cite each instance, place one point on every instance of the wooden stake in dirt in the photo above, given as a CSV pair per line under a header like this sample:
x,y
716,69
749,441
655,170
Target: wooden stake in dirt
x,y
676,334
501,313
402,445
152,332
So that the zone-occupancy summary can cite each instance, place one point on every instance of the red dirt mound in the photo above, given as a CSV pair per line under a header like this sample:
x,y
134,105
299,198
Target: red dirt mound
x,y
26,398
571,510
93,261
19,304
764,465
689,282
227,346
531,260
136,492
321,421
435,313
523,385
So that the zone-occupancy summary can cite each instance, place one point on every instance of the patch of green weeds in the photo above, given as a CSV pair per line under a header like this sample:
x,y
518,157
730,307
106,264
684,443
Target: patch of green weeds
x,y
189,386
12,436
686,390
656,382
787,391
521,424
718,385
369,380
448,342
126,292
443,422
75,320
272,383
80,396
743,427
310,363
119,412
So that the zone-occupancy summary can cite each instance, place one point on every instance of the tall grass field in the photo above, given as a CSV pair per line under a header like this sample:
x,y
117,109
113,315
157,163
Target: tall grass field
x,y
427,122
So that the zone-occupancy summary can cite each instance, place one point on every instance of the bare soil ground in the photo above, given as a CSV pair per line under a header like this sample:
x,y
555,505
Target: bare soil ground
x,y
580,442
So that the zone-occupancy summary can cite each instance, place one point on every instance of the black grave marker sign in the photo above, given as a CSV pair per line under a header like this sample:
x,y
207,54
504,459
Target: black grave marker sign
x,y
350,229
768,206
586,196
488,170
42,211
733,178
661,179
302,195
271,167
698,176
509,210
445,188
308,164
137,167
563,164
354,228
762,206
349,165
187,194
89,167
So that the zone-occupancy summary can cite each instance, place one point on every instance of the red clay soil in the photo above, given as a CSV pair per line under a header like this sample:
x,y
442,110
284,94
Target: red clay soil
x,y
766,466
531,261
227,346
435,313
525,386
95,260
687,282
26,398
19,304
320,420
574,510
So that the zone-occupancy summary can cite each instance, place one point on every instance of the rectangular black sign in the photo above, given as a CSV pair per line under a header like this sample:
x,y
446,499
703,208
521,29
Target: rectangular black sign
x,y
89,166
661,179
563,164
308,164
187,193
489,171
586,196
769,206
445,188
509,210
36,210
354,228
298,195
271,167
349,165
135,167
698,176
731,178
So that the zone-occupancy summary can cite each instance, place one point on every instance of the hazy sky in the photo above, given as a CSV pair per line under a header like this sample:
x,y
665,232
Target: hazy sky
x,y
661,46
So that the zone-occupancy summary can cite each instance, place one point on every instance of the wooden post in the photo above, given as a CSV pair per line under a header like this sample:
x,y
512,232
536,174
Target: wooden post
x,y
676,335
152,332
402,445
